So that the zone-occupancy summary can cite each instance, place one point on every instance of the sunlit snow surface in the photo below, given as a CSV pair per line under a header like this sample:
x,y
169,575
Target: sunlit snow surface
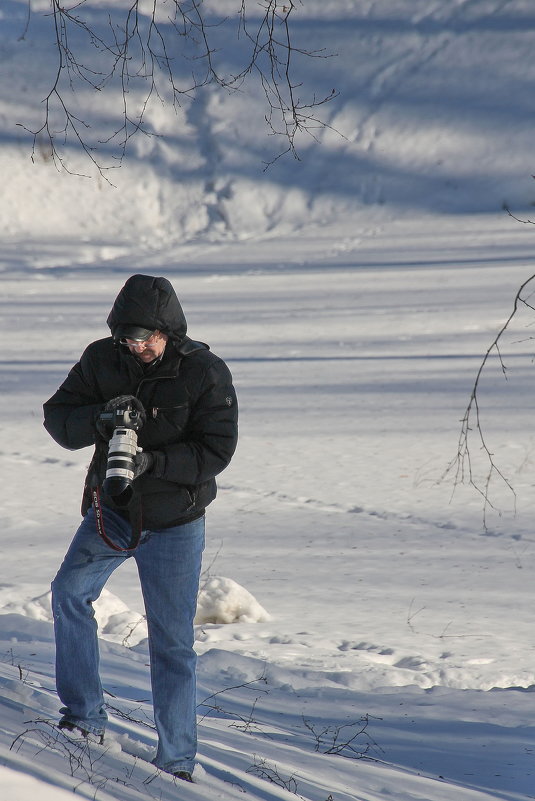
x,y
362,632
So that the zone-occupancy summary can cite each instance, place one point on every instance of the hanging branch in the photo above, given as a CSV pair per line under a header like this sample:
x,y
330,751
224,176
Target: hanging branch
x,y
139,49
272,58
461,465
518,219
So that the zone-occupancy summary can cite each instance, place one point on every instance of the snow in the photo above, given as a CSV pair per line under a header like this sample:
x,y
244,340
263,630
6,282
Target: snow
x,y
222,600
363,633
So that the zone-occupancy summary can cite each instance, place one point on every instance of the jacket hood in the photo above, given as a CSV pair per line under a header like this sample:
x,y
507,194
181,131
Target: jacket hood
x,y
150,303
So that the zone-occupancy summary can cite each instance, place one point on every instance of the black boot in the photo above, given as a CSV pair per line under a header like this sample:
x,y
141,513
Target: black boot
x,y
184,775
78,731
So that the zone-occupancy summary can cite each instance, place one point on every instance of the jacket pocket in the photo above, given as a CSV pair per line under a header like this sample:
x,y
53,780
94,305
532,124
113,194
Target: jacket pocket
x,y
167,411
165,425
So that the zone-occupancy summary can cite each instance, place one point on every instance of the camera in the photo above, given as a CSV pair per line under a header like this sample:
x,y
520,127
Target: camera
x,y
122,449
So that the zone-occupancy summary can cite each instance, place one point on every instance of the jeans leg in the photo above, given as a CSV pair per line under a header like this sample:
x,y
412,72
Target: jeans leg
x,y
87,565
169,565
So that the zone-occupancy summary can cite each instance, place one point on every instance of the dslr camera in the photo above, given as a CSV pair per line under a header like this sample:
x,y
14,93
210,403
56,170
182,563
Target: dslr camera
x,y
122,449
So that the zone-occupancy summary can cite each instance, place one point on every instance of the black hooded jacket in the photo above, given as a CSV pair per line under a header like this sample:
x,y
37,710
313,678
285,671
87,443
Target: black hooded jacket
x,y
188,396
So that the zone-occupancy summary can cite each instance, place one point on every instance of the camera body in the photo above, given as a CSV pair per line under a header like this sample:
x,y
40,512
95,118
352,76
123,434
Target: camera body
x,y
122,449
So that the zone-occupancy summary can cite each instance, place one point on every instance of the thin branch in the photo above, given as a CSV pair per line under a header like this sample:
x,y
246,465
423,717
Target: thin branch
x,y
137,54
219,710
461,466
341,740
27,23
514,217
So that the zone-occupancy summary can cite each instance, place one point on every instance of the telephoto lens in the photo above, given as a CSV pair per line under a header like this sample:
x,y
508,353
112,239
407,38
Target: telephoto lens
x,y
120,468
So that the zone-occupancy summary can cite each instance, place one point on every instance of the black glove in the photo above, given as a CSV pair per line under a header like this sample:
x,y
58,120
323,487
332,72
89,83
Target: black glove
x,y
143,461
105,427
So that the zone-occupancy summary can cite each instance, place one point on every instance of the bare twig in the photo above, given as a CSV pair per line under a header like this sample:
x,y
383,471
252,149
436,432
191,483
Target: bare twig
x,y
219,710
137,55
27,23
272,59
249,725
461,466
131,629
271,773
84,758
341,740
411,615
514,217
119,713
207,572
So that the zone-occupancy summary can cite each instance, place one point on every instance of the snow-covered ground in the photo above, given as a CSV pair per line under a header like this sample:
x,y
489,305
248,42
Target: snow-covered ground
x,y
362,635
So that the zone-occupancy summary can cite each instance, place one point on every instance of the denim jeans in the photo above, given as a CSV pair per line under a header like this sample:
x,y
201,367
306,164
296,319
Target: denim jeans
x,y
169,565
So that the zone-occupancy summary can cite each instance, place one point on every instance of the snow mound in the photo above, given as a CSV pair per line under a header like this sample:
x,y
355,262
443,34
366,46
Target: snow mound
x,y
222,600
115,620
37,608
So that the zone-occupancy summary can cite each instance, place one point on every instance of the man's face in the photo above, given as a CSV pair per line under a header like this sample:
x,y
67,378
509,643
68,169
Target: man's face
x,y
148,350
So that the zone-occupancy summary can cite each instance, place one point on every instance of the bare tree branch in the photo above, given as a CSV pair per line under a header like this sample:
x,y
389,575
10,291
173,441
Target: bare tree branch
x,y
272,56
341,740
462,466
137,53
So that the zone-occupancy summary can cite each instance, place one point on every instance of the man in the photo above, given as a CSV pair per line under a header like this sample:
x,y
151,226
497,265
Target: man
x,y
184,405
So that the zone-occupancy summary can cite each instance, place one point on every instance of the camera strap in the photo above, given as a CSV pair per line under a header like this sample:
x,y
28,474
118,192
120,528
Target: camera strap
x,y
99,519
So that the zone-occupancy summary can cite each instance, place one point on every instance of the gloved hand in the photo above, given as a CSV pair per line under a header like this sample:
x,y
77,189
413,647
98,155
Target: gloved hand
x,y
143,461
105,427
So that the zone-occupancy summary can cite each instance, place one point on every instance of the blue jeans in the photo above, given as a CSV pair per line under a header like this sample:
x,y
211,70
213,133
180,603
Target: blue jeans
x,y
169,566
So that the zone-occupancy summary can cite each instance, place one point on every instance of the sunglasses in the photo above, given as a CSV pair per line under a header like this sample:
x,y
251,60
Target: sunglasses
x,y
141,343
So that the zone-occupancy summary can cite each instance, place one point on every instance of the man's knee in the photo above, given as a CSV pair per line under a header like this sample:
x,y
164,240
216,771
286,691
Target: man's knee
x,y
69,594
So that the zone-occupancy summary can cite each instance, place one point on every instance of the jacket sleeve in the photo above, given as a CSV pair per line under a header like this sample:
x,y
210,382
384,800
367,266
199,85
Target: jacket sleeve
x,y
212,432
70,414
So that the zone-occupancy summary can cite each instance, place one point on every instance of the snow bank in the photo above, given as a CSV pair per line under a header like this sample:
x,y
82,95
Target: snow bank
x,y
407,132
353,294
222,600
